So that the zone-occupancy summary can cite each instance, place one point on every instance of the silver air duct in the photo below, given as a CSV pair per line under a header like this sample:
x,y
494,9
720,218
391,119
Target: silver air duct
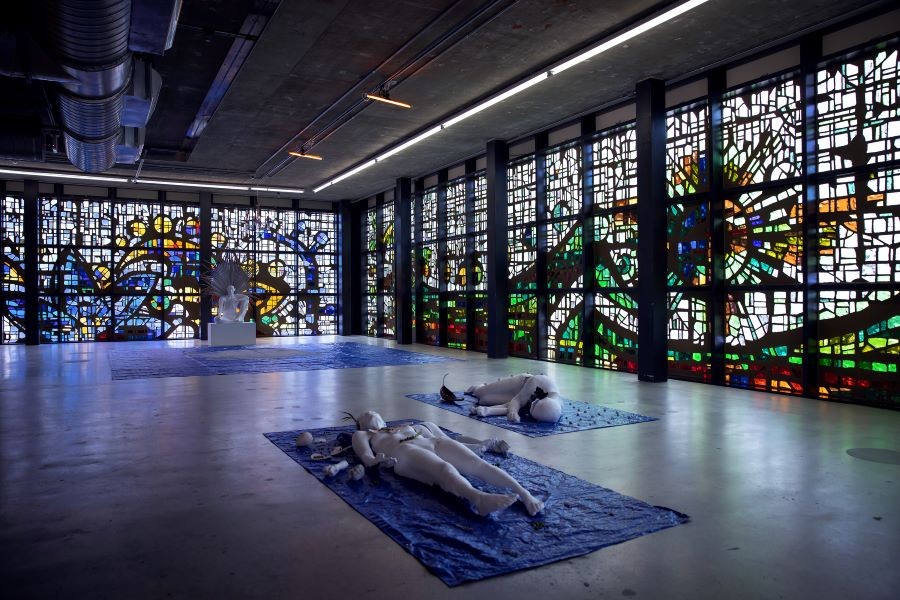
x,y
90,38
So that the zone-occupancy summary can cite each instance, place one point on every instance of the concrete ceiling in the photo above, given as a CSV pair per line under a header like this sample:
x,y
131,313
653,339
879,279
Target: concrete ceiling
x,y
313,61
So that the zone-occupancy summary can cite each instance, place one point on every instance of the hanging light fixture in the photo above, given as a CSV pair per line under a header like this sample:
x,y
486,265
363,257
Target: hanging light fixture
x,y
305,155
384,97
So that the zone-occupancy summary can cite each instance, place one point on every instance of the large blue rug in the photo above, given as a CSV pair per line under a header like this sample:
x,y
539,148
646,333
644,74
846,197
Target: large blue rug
x,y
457,545
577,416
140,363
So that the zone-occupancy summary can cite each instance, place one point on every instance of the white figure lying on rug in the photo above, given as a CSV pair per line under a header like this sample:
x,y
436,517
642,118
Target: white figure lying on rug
x,y
425,453
534,395
232,307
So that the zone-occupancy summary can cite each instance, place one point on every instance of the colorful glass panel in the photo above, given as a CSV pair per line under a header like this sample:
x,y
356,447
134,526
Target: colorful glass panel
x,y
762,131
615,250
859,233
614,169
615,331
564,327
764,237
564,255
686,148
523,325
858,111
689,244
563,173
12,271
764,340
859,345
690,340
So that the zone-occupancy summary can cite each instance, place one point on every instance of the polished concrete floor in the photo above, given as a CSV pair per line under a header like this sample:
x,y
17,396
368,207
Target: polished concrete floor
x,y
166,487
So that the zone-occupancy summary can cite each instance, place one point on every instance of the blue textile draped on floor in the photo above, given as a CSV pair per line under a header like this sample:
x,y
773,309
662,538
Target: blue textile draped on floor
x,y
577,416
457,545
134,363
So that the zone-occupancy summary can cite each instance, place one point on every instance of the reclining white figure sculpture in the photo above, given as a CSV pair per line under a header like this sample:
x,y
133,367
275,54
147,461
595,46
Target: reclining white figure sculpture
x,y
425,453
535,394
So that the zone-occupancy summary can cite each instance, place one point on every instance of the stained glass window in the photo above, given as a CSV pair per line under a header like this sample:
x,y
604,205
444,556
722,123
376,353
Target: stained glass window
x,y
12,276
563,172
764,237
859,342
762,133
615,333
690,339
388,316
378,255
764,340
564,327
858,111
686,147
859,228
615,250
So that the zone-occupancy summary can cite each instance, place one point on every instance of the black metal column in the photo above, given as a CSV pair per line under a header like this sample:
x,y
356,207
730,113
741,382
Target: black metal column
x,y
497,260
471,338
350,322
651,175
586,216
31,235
205,258
810,54
540,191
379,270
403,260
716,85
442,257
418,301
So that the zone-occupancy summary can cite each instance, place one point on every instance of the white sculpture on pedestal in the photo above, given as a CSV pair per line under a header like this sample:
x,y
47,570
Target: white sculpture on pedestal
x,y
232,307
229,281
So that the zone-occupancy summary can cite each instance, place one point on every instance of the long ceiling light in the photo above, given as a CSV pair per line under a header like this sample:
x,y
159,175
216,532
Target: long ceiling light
x,y
80,177
276,190
213,186
388,100
61,175
607,44
305,155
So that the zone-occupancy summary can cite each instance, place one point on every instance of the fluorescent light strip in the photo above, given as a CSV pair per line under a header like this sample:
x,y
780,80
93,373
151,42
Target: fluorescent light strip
x,y
214,186
344,176
498,98
627,35
277,190
63,175
409,143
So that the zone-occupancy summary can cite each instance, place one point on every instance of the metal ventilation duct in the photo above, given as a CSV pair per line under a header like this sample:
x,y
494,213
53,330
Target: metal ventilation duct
x,y
90,38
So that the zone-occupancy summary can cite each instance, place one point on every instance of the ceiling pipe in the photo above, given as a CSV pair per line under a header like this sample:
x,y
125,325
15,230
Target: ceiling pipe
x,y
90,38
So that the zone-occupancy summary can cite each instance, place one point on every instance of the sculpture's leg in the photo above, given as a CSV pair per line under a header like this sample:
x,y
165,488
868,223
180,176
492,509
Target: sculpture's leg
x,y
469,463
498,392
425,466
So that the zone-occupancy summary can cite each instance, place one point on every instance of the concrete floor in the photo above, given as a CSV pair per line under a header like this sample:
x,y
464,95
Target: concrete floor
x,y
166,487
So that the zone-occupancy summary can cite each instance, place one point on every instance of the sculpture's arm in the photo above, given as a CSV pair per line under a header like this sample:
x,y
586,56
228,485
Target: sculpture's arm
x,y
363,450
489,445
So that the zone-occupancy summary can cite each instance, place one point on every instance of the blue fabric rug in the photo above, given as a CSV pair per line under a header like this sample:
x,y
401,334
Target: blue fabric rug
x,y
457,545
140,363
577,416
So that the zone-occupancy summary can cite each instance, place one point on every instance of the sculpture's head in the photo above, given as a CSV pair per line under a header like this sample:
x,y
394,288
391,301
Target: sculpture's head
x,y
230,290
370,420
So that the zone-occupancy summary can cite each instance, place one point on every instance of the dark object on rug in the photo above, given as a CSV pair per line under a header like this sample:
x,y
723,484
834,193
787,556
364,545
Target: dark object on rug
x,y
576,416
446,395
444,534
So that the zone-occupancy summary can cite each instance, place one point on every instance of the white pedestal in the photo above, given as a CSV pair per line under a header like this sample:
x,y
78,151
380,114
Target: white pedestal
x,y
231,334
